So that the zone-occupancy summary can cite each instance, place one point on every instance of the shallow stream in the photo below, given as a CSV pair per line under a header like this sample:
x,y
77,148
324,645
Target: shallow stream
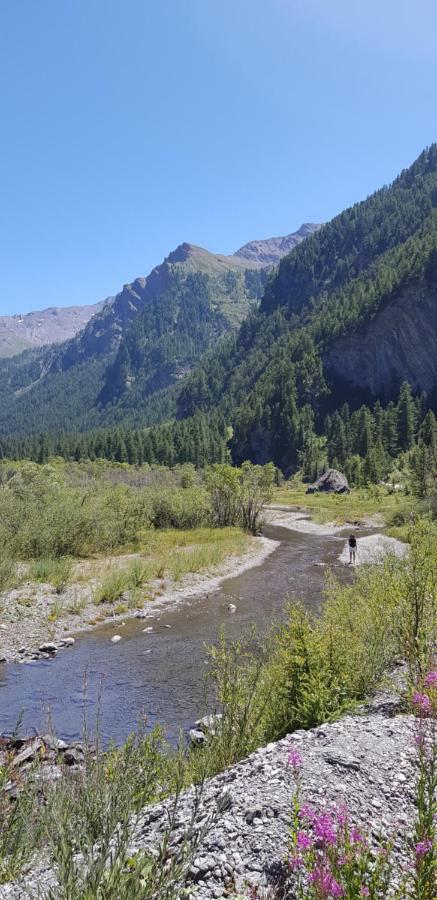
x,y
160,675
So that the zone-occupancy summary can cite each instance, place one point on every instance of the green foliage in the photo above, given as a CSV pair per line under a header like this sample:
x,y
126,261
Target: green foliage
x,y
55,571
115,583
314,669
238,496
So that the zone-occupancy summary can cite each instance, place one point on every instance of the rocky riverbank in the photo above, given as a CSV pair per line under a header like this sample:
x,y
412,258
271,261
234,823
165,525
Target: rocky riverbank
x,y
366,761
36,621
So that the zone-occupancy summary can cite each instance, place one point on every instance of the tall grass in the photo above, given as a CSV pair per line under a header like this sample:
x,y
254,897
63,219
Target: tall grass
x,y
55,571
86,825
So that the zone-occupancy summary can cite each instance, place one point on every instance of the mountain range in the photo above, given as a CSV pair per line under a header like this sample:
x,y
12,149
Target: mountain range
x,y
296,360
144,340
48,326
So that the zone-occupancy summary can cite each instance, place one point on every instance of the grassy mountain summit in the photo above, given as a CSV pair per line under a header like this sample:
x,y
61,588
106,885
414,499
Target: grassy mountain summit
x,y
141,343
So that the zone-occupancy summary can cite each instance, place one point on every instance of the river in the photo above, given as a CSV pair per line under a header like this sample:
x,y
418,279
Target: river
x,y
160,675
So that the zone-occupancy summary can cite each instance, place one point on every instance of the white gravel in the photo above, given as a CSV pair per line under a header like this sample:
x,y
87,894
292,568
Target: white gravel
x,y
373,549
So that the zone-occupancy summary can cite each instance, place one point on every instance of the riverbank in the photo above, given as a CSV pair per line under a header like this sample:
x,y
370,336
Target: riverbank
x,y
36,621
366,761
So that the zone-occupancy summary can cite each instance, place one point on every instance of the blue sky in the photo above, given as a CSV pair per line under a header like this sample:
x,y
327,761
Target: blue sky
x,y
132,125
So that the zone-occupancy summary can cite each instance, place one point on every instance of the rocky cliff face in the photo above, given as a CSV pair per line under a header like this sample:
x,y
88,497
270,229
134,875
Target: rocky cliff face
x,y
398,344
47,326
268,252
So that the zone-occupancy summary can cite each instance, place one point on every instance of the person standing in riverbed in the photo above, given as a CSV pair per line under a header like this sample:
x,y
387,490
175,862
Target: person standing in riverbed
x,y
352,549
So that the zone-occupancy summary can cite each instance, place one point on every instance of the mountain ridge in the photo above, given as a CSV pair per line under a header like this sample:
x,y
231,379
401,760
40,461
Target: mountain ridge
x,y
39,328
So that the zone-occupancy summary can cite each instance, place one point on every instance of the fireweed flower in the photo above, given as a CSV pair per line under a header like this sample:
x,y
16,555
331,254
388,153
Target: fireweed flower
x,y
342,815
294,759
303,840
431,679
324,881
423,847
307,813
324,829
295,862
364,891
422,703
356,836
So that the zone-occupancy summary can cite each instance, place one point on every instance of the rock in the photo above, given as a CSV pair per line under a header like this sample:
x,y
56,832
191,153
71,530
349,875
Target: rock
x,y
28,753
345,762
197,737
333,481
165,626
148,630
68,641
231,607
53,743
208,723
116,638
4,627
73,756
48,647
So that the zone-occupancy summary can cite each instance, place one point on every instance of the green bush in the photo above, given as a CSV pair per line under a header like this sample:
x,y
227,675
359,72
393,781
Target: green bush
x,y
180,507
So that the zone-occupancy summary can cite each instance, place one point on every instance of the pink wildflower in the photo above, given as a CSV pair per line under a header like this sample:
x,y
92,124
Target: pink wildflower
x,y
422,703
356,836
324,828
431,679
325,882
307,813
294,759
295,862
303,840
341,814
423,847
364,891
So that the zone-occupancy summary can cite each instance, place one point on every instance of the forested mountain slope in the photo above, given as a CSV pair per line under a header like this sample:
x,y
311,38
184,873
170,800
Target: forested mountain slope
x,y
350,314
124,364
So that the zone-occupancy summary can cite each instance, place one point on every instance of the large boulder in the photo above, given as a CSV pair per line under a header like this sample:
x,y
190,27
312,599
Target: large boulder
x,y
331,480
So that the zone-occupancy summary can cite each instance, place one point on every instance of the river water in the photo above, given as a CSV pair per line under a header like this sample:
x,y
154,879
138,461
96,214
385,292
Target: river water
x,y
161,675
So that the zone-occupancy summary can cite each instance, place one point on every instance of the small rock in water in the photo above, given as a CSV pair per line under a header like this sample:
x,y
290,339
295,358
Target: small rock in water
x,y
231,607
116,639
68,642
165,626
49,647
148,630
4,627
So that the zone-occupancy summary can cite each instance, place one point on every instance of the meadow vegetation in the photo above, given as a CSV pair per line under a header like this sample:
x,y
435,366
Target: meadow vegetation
x,y
53,514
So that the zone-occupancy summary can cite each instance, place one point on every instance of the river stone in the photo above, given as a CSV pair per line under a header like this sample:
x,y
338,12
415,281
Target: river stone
x,y
231,607
116,638
331,481
48,647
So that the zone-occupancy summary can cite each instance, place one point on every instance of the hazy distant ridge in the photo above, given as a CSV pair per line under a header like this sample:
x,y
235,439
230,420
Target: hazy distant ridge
x,y
48,326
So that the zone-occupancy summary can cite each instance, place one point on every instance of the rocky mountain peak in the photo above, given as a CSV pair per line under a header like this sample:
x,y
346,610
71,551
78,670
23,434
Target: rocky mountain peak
x,y
269,251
